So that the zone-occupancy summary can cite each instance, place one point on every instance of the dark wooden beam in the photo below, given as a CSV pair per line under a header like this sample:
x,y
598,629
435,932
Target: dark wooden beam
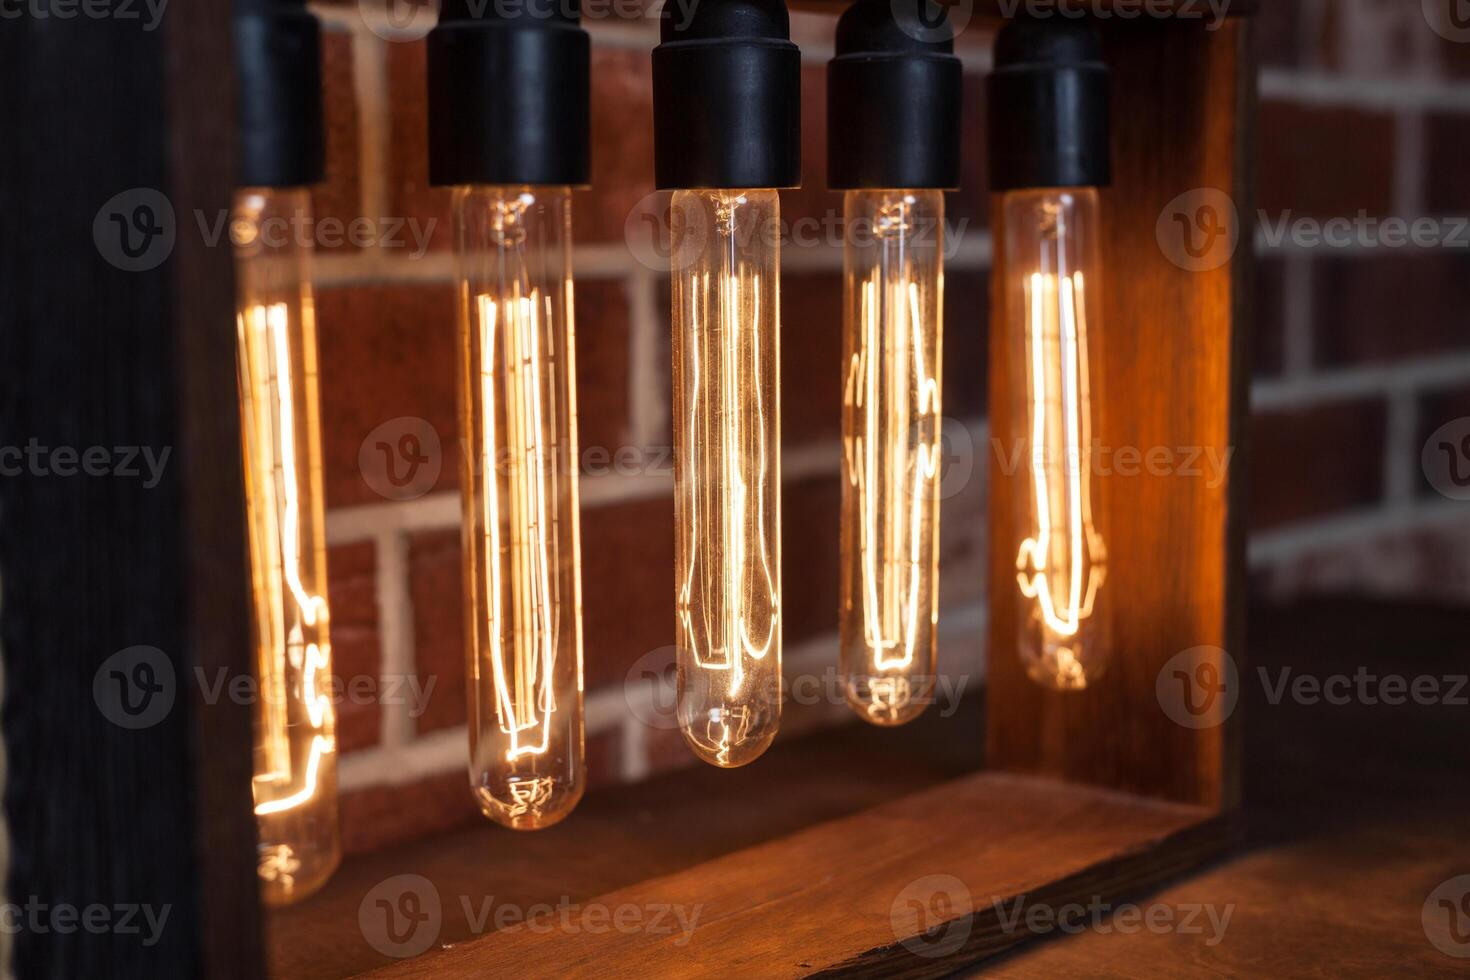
x,y
116,358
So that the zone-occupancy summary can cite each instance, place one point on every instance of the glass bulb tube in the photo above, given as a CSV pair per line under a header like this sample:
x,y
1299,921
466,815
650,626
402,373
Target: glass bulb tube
x,y
1054,338
521,548
727,474
893,311
295,783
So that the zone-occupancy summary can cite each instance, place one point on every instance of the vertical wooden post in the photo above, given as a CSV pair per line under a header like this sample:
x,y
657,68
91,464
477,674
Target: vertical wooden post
x,y
1175,376
136,367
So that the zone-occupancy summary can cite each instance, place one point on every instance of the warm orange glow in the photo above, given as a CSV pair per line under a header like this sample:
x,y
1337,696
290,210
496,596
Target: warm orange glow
x,y
891,417
1061,559
521,534
728,562
295,743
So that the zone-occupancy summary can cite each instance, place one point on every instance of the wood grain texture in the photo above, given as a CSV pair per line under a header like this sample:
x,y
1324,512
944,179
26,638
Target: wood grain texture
x,y
203,164
1354,815
621,835
841,897
1174,377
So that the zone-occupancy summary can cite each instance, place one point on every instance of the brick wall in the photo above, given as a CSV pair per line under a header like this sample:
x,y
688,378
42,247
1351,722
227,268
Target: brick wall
x,y
1360,353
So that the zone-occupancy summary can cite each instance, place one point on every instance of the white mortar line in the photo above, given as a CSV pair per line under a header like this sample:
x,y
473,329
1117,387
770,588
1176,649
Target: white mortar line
x,y
648,408
1400,449
441,751
370,87
363,522
1269,547
395,632
1320,88
1297,300
633,761
1408,162
1378,380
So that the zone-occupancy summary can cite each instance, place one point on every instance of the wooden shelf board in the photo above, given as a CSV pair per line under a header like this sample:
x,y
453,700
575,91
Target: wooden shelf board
x,y
821,901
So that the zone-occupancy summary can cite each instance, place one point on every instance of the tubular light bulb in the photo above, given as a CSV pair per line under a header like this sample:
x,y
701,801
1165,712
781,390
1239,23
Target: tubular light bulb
x,y
890,430
726,311
295,784
521,551
1051,269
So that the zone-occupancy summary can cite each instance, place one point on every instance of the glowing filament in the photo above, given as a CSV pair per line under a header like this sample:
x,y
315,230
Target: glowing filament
x,y
727,572
880,462
286,607
1063,565
522,664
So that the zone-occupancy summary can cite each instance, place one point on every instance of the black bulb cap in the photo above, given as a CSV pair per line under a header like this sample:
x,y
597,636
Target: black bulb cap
x,y
1049,105
279,94
509,94
893,100
726,96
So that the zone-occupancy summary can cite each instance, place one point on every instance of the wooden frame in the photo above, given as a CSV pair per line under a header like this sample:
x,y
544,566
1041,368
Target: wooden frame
x,y
96,355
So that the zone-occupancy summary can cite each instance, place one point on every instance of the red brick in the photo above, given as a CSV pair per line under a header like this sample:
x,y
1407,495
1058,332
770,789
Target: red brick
x,y
436,588
963,521
1280,34
627,586
1430,564
1447,147
1383,307
1454,58
386,352
1269,340
667,750
1435,410
602,364
968,208
1319,160
1376,38
810,516
339,196
381,816
966,343
409,192
356,646
813,201
811,358
622,144
604,758
1315,462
